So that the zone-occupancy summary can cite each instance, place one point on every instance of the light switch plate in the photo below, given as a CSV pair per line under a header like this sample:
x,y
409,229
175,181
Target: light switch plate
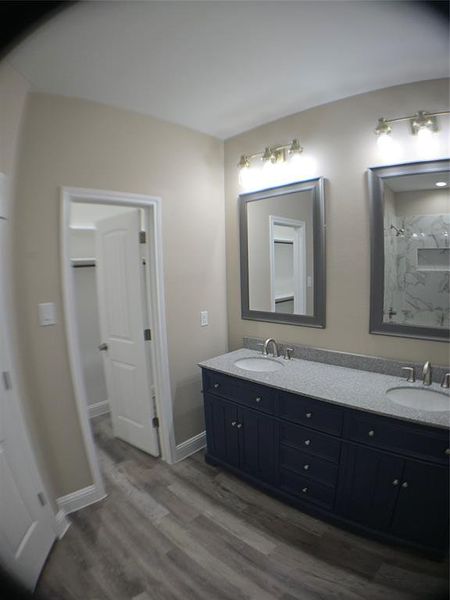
x,y
203,318
47,314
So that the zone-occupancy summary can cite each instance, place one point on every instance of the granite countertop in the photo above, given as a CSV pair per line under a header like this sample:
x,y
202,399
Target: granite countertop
x,y
340,385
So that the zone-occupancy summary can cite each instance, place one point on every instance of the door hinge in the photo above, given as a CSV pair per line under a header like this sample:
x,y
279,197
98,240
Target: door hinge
x,y
142,237
155,422
42,499
147,335
7,383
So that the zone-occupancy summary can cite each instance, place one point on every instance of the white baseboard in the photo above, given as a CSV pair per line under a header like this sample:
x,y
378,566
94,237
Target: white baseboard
x,y
80,499
62,523
190,446
97,409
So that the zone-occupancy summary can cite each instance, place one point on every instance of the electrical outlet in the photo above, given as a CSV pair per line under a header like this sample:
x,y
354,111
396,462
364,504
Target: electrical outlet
x,y
203,318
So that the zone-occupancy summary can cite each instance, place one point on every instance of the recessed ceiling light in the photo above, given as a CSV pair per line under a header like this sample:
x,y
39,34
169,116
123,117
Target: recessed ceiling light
x,y
440,183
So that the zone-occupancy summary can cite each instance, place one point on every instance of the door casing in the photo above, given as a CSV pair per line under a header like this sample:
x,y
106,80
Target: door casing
x,y
155,291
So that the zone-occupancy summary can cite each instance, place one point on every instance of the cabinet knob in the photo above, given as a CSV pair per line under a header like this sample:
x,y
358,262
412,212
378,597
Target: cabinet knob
x,y
239,425
395,482
216,386
308,415
257,399
304,490
405,484
371,433
307,442
306,467
447,452
233,423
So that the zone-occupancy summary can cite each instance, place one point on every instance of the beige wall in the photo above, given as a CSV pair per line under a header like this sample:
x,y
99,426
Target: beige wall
x,y
339,136
13,102
78,143
424,202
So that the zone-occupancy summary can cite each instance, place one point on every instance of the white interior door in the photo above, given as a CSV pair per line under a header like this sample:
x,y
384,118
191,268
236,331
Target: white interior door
x,y
26,520
123,319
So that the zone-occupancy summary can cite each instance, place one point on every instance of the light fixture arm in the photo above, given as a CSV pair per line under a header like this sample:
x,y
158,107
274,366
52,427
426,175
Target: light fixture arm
x,y
421,119
274,153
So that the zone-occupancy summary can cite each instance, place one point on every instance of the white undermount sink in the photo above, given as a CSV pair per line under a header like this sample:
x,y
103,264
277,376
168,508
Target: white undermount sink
x,y
420,398
258,363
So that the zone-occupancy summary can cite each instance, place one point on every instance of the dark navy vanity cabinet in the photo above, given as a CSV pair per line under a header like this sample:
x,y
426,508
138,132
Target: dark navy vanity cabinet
x,y
376,475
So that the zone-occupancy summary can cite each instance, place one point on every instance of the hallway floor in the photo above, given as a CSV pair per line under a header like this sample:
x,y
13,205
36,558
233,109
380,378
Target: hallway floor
x,y
194,532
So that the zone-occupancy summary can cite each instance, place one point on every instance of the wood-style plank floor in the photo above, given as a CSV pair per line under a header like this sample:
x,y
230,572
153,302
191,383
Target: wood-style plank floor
x,y
193,532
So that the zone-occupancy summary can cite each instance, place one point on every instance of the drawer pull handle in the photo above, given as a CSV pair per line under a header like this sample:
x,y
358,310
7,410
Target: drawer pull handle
x,y
216,386
233,423
257,399
371,433
304,490
307,442
239,425
306,467
405,484
308,415
447,452
395,482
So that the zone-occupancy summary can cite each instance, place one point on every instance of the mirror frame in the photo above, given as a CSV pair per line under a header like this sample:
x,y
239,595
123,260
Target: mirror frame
x,y
317,319
376,177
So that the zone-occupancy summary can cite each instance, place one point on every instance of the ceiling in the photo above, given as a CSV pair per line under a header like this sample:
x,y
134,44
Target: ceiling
x,y
226,67
416,183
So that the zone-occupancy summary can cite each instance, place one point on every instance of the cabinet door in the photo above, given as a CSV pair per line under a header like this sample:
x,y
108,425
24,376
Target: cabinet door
x,y
221,429
422,511
369,482
258,444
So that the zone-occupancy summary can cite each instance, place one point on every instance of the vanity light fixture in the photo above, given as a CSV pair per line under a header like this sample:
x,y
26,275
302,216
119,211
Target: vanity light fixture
x,y
272,154
422,124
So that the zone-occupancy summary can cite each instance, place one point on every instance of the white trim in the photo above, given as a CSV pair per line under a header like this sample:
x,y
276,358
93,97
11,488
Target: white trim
x,y
99,408
79,499
62,523
190,446
299,251
162,375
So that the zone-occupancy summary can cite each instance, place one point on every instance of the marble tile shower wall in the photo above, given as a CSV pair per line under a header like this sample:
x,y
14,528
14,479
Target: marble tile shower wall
x,y
418,295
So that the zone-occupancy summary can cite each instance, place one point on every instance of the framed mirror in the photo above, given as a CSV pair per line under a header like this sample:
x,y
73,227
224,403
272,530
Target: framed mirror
x,y
282,233
410,254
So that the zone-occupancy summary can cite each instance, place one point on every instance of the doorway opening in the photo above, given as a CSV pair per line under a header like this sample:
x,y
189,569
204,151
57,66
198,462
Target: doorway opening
x,y
288,279
115,321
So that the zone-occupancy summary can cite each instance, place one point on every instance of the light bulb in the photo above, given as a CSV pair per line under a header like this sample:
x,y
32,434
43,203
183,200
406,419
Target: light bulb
x,y
426,141
244,176
440,183
385,142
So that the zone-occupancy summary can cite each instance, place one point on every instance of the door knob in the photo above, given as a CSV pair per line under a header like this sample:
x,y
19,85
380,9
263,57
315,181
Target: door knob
x,y
307,442
405,484
308,415
103,347
257,399
239,425
233,423
395,482
371,433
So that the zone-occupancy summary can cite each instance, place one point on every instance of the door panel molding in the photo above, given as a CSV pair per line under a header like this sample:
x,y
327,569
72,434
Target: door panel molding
x,y
154,258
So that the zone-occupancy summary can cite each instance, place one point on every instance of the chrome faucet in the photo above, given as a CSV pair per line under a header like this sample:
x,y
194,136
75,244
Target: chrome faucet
x,y
445,383
427,373
274,346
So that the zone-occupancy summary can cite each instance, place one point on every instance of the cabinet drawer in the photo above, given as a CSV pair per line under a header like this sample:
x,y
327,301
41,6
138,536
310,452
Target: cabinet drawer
x,y
393,434
247,393
219,384
308,465
306,489
256,396
309,412
311,442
